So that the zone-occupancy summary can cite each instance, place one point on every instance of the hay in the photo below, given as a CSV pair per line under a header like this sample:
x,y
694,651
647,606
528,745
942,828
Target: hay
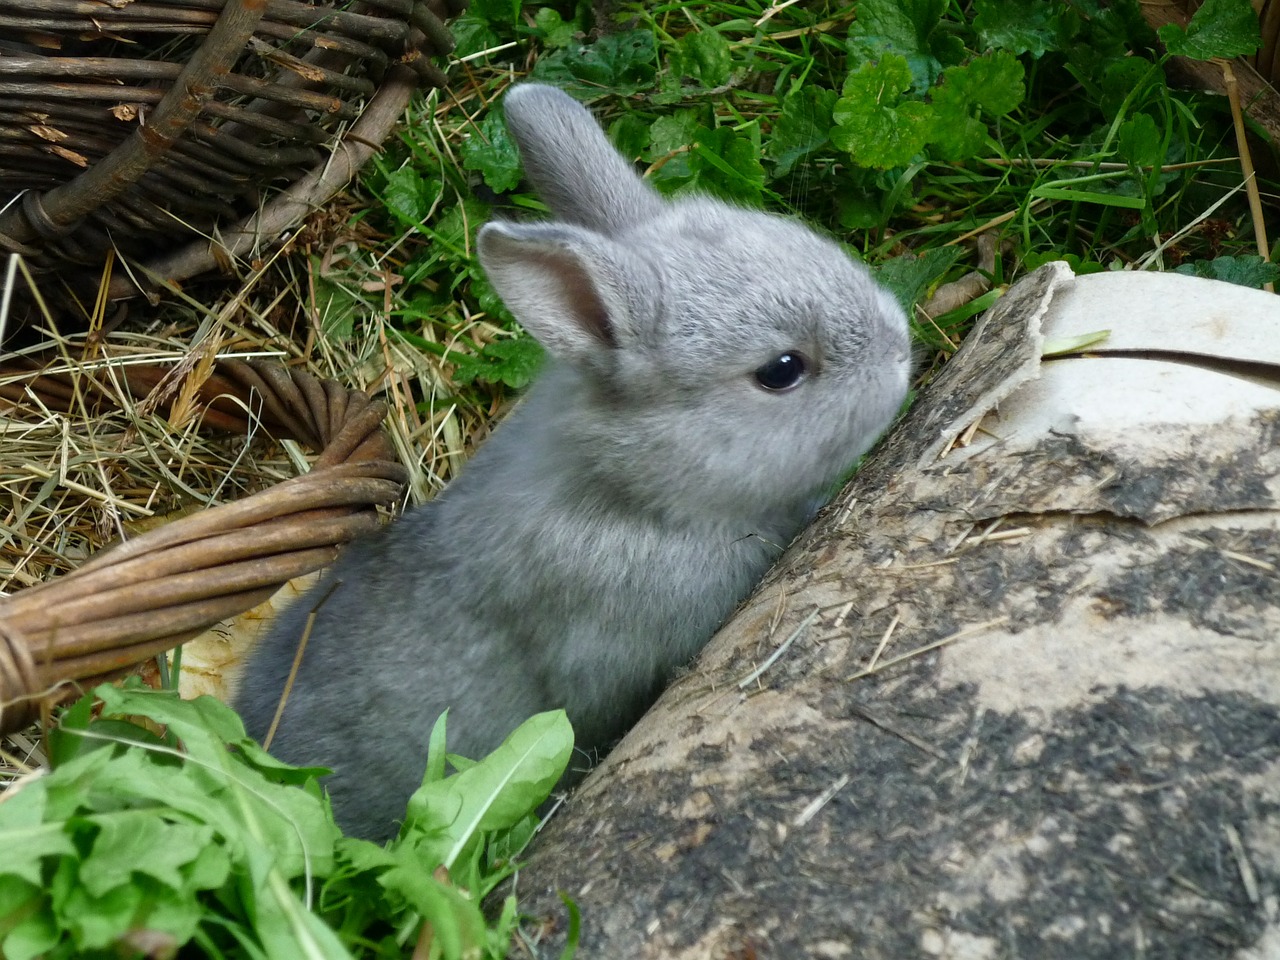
x,y
73,483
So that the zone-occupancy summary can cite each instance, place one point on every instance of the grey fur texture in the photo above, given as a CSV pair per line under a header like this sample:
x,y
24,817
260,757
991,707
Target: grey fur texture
x,y
645,484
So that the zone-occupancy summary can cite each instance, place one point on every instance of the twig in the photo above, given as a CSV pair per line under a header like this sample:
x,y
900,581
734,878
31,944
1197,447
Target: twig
x,y
293,667
1102,165
1032,207
919,651
755,674
811,809
81,489
1246,167
1247,877
898,732
884,641
1179,234
774,8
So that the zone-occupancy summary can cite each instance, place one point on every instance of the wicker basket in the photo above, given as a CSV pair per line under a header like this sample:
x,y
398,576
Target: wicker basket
x,y
175,135
155,591
180,133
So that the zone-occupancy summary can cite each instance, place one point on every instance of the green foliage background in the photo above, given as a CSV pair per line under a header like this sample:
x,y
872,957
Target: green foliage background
x,y
903,127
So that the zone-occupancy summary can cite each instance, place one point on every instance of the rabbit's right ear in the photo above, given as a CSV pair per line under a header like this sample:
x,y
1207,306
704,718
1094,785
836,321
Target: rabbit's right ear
x,y
574,167
562,284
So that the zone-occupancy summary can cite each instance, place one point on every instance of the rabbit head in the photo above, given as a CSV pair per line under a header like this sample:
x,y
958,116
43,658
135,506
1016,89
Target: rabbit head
x,y
711,360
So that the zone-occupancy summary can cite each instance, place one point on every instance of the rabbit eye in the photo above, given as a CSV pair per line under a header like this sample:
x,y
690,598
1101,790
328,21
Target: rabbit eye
x,y
782,372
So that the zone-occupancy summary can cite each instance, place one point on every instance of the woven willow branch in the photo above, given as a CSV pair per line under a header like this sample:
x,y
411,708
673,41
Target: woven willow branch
x,y
190,120
147,595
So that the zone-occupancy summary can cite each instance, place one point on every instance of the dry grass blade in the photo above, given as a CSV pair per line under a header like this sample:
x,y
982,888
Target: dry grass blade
x,y
86,454
1246,166
90,459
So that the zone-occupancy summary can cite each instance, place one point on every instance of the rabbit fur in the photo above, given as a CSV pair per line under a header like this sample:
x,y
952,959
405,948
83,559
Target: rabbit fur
x,y
620,513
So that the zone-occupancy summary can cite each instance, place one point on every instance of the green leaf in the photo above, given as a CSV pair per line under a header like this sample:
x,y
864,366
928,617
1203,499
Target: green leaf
x,y
448,819
281,922
487,297
553,30
451,232
994,83
991,85
95,922
1139,141
436,750
1220,28
504,12
204,724
574,930
35,842
703,56
496,793
952,319
690,157
277,771
673,133
64,743
874,125
361,855
1059,191
908,29
492,153
863,197
144,834
27,925
728,164
513,362
630,135
409,196
1076,344
623,63
517,360
174,914
472,34
1102,35
1120,80
802,127
1020,27
337,303
909,277
456,920
1247,271
138,841
294,824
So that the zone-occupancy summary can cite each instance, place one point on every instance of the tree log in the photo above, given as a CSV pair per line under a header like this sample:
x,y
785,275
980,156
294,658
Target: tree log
x,y
1015,694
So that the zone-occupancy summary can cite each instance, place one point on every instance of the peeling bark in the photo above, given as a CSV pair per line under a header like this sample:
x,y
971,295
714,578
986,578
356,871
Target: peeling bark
x,y
1019,697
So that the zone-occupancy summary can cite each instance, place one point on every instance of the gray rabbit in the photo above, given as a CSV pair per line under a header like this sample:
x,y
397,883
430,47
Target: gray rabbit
x,y
712,373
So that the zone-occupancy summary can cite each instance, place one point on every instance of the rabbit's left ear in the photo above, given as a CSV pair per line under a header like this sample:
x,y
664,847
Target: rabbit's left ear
x,y
574,167
561,284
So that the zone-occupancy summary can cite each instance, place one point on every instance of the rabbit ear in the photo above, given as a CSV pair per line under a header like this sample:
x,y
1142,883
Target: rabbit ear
x,y
575,169
559,283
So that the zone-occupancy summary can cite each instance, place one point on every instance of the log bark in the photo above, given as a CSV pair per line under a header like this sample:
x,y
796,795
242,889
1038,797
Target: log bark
x,y
1016,693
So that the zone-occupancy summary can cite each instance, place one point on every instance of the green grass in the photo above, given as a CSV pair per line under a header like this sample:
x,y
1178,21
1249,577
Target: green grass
x,y
935,139
906,128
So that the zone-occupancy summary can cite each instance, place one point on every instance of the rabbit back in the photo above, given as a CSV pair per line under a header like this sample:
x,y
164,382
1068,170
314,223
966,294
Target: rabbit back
x,y
501,598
